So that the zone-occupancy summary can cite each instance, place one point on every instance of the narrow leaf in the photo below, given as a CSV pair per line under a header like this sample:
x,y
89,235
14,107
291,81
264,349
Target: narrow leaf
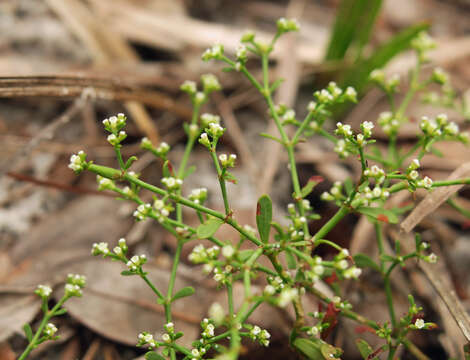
x,y
312,182
60,312
379,214
28,332
152,355
228,176
291,262
268,136
168,169
127,273
358,75
186,291
309,348
189,171
364,348
244,255
364,261
208,228
264,215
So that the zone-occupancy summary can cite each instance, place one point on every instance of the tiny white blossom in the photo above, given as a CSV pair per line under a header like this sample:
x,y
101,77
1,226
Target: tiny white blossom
x,y
419,323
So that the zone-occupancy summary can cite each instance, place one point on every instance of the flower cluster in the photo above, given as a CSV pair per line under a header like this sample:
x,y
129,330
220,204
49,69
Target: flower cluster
x,y
75,284
227,161
342,267
389,85
335,193
116,139
198,196
333,94
208,329
105,183
162,209
285,25
389,123
317,270
260,335
441,128
172,183
115,123
160,151
350,142
422,44
366,196
43,291
376,173
143,211
78,162
201,255
100,249
146,339
49,331
136,262
216,52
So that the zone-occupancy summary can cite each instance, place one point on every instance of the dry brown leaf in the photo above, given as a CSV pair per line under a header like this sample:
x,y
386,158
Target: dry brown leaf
x,y
120,307
15,311
47,252
433,200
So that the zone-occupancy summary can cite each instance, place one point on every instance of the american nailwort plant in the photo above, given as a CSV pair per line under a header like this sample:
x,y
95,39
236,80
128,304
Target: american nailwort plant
x,y
285,285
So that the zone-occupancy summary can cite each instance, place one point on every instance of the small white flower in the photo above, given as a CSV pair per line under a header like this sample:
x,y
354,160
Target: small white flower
x,y
420,324
166,338
50,329
217,313
44,290
228,251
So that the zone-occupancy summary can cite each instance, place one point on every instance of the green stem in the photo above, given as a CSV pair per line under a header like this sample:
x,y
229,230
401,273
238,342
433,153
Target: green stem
x,y
230,299
185,158
457,207
150,284
385,276
223,187
114,174
47,316
325,229
171,283
117,150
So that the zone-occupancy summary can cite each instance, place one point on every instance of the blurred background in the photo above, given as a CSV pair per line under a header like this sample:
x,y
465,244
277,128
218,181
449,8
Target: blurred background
x,y
65,65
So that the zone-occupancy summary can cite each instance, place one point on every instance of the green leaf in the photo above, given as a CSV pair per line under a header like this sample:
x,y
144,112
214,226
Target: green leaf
x,y
364,261
291,262
437,152
348,186
311,183
228,176
264,215
152,355
276,84
189,171
268,136
129,162
60,312
364,348
358,75
330,352
127,273
208,228
168,169
244,255
309,348
186,291
28,332
353,25
379,214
